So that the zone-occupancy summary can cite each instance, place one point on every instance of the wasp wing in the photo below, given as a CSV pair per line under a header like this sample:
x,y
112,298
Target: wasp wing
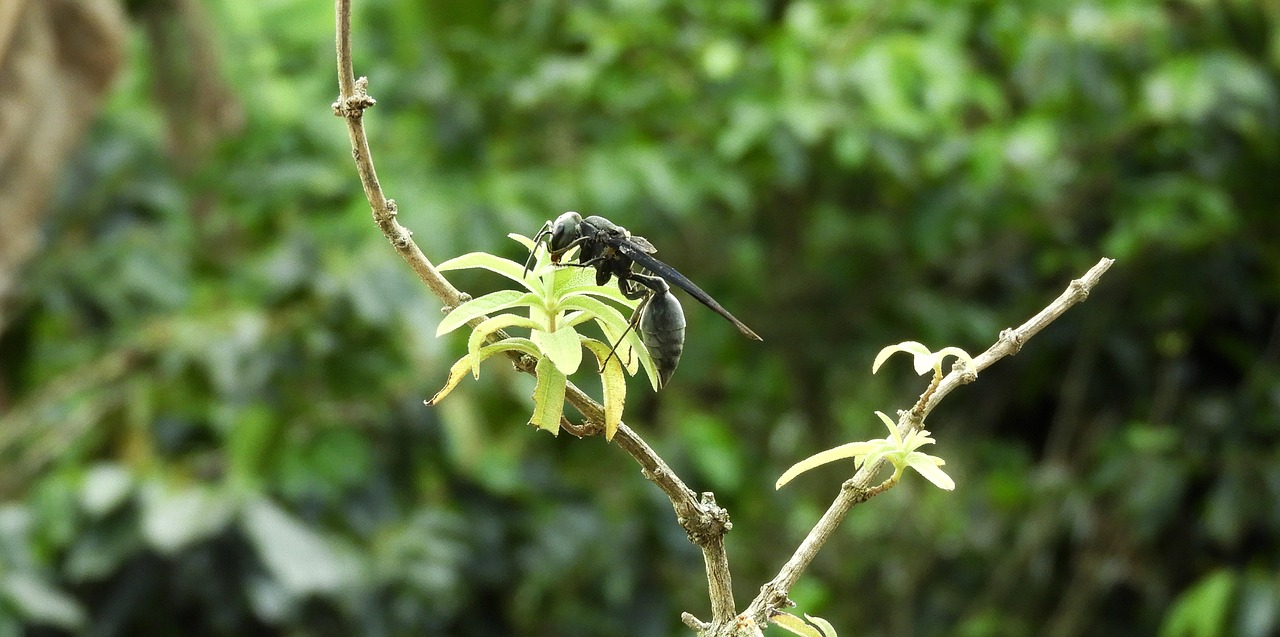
x,y
640,254
642,244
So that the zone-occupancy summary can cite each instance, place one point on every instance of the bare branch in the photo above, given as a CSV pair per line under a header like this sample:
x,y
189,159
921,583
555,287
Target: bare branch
x,y
858,489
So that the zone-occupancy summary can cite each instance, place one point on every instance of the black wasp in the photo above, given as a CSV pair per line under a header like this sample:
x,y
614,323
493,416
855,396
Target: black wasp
x,y
614,252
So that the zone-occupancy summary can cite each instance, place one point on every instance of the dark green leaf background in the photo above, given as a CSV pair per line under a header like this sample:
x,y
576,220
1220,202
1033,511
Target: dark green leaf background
x,y
212,388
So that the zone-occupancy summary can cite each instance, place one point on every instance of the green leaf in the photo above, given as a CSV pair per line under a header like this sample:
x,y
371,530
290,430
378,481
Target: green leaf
x,y
614,325
1202,610
493,263
614,385
599,310
175,519
488,327
301,560
572,319
39,602
626,351
562,346
249,443
582,282
847,450
563,279
460,368
487,304
548,396
106,486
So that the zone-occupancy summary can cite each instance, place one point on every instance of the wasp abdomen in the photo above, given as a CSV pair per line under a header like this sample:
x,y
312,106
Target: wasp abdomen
x,y
662,331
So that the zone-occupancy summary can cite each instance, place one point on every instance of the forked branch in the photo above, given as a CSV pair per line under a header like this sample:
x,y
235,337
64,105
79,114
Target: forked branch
x,y
859,488
703,520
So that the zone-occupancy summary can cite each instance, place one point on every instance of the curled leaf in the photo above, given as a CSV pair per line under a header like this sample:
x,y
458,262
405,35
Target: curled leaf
x,y
460,368
923,359
918,350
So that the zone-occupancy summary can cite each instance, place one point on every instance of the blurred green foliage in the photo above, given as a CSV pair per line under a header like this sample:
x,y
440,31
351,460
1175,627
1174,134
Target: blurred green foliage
x,y
212,390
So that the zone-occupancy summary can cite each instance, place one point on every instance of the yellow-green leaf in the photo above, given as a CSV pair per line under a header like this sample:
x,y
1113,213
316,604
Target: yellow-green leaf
x,y
794,625
456,374
646,360
493,263
522,240
488,327
548,396
487,304
847,450
823,625
614,385
958,353
582,282
598,310
562,347
922,356
625,351
460,368
931,468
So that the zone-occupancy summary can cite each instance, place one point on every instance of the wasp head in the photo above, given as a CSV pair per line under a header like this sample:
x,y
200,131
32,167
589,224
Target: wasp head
x,y
566,229
559,236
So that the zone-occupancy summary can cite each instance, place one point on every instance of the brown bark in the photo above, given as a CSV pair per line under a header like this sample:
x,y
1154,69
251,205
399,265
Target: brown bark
x,y
57,61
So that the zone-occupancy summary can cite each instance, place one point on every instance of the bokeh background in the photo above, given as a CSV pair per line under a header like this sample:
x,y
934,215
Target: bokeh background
x,y
212,365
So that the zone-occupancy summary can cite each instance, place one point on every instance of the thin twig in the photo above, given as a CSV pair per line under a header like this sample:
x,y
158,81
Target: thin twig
x,y
704,521
858,489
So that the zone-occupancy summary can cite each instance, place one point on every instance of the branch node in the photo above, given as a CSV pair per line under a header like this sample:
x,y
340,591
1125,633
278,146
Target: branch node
x,y
353,106
711,523
525,363
1011,336
774,597
463,297
1079,289
587,428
